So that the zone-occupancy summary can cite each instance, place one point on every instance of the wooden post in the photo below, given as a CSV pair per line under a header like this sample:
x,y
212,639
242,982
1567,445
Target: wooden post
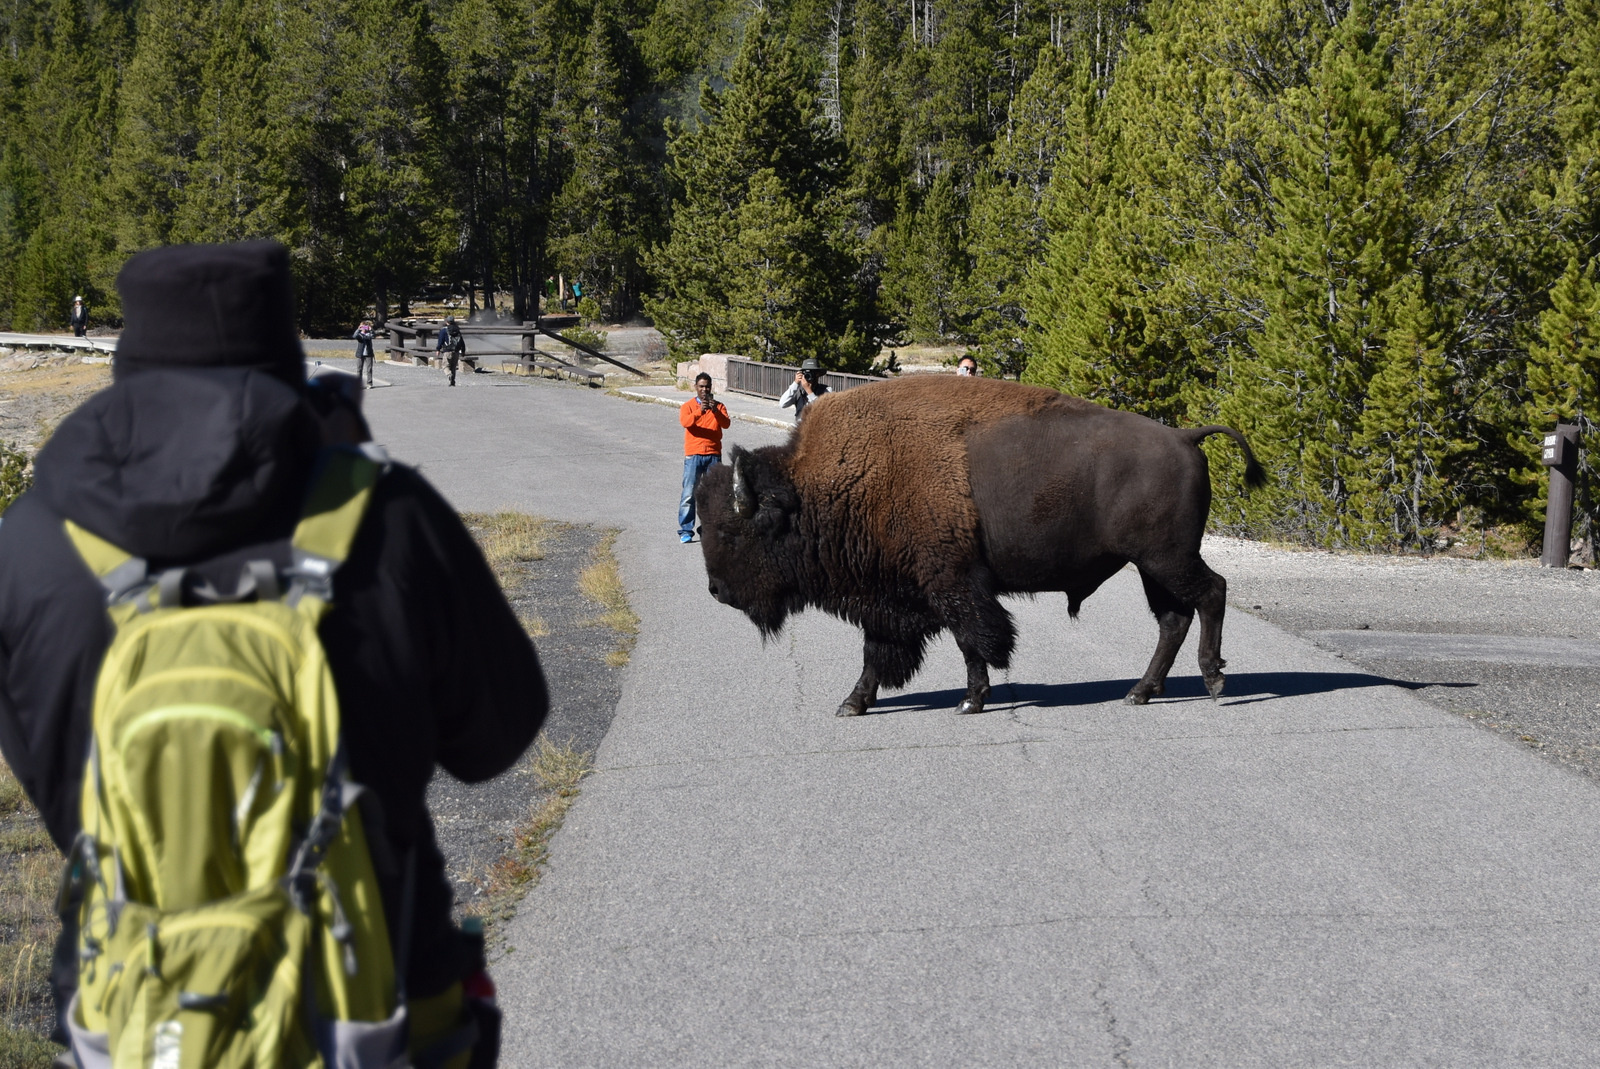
x,y
1560,455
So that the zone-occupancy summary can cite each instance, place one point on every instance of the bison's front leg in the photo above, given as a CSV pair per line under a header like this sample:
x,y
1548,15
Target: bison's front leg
x,y
863,696
886,662
977,680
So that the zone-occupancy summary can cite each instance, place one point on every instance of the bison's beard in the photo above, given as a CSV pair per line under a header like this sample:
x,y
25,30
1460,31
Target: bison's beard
x,y
769,616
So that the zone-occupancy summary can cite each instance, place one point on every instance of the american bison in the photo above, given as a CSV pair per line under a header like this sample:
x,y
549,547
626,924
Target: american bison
x,y
910,506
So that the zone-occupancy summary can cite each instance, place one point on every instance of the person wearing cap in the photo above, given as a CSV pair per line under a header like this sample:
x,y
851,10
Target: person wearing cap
x,y
806,387
363,338
79,318
452,343
200,453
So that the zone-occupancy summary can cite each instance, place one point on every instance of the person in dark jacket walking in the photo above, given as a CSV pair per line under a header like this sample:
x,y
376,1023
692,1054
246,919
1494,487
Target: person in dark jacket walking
x,y
200,452
451,342
363,337
79,318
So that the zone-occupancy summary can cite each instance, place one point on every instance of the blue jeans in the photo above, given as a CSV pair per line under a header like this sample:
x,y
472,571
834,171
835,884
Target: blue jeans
x,y
693,469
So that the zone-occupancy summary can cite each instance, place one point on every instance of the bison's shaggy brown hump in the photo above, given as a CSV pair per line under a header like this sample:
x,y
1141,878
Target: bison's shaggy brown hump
x,y
890,461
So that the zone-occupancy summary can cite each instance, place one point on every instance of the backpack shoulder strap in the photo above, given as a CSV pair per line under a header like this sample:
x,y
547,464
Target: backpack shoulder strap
x,y
341,486
340,490
123,575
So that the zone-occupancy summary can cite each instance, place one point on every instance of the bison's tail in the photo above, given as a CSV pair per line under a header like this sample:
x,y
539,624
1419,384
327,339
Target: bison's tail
x,y
1254,475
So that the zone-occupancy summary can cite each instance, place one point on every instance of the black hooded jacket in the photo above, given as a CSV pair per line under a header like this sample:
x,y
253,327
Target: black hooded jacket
x,y
211,465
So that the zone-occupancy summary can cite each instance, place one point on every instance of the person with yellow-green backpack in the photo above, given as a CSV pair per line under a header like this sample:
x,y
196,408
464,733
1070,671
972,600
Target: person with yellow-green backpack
x,y
235,642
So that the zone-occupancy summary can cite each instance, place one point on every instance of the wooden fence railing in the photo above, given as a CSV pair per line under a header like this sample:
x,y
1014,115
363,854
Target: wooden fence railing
x,y
414,340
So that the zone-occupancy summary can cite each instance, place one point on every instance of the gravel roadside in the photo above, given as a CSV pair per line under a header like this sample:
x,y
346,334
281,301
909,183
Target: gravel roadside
x,y
1459,633
475,822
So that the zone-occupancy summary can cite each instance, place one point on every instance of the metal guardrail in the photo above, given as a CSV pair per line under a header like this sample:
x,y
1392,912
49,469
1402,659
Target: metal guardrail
x,y
57,341
770,380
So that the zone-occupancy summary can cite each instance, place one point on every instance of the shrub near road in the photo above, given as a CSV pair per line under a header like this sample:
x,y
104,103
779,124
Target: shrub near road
x,y
29,869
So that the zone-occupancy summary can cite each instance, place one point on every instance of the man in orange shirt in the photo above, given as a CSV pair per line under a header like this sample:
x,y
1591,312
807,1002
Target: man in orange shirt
x,y
704,419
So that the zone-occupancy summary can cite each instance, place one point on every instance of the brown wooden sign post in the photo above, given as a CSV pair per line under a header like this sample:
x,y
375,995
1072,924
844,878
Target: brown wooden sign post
x,y
1560,455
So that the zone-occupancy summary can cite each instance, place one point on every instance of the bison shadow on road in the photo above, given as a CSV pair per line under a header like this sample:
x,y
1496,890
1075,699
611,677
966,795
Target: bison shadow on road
x,y
1243,688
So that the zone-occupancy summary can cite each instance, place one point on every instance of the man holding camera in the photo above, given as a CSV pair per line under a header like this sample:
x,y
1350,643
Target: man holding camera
x,y
704,419
806,387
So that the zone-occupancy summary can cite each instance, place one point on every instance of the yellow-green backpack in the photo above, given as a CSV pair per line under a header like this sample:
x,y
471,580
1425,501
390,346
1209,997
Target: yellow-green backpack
x,y
231,915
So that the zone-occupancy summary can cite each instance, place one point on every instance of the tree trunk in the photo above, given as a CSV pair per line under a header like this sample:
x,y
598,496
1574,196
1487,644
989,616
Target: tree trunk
x,y
380,300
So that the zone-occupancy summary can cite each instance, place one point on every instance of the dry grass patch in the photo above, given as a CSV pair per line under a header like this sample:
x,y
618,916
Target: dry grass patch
x,y
509,539
32,402
602,582
76,378
30,869
558,770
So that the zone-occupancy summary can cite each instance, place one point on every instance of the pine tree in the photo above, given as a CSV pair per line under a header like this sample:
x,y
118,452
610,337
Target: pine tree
x,y
1341,244
158,121
1102,298
1405,440
726,269
1563,367
56,152
1006,232
604,211
926,265
400,223
872,121
1077,196
501,64
1479,143
235,184
772,315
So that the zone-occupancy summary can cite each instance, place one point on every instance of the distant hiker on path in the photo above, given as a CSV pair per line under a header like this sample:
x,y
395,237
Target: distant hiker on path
x,y
704,419
450,341
363,337
79,317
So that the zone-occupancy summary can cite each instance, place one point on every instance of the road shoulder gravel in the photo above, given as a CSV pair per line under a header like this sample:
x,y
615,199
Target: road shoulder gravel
x,y
1506,644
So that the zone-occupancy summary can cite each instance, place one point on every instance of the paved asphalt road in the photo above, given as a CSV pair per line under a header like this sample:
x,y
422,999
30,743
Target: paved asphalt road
x,y
1321,869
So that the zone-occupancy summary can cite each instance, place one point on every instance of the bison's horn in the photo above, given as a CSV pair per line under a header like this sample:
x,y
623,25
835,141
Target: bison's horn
x,y
744,502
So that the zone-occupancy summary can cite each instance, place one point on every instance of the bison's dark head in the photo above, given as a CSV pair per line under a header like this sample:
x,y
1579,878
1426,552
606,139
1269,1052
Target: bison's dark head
x,y
749,533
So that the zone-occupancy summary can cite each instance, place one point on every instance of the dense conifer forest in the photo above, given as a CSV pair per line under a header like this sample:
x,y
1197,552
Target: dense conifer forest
x,y
1363,232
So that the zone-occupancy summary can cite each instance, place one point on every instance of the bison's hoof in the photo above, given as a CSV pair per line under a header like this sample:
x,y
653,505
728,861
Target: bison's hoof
x,y
851,709
970,705
1214,685
1136,697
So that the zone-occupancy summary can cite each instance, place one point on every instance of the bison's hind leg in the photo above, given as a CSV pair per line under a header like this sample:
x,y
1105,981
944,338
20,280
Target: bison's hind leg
x,y
1212,600
1174,618
1174,598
